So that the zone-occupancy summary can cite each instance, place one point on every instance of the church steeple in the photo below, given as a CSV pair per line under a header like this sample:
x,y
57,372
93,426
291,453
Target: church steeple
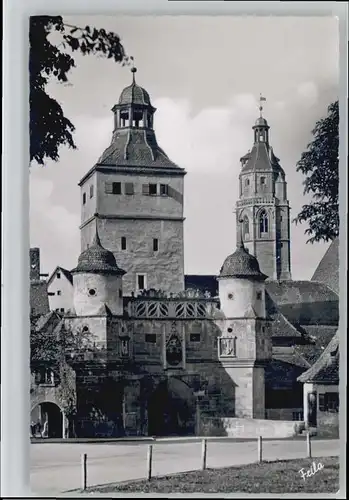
x,y
263,206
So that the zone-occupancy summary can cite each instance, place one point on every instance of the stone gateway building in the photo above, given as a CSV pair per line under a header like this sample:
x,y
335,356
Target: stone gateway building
x,y
165,353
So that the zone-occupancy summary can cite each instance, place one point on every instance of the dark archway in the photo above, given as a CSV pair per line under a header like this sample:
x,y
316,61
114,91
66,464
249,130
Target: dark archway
x,y
171,409
51,413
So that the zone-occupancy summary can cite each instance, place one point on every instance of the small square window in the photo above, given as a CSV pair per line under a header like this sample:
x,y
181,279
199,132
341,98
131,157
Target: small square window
x,y
163,189
259,295
62,309
150,338
129,188
84,199
123,243
155,244
91,190
59,292
195,337
116,189
58,275
152,189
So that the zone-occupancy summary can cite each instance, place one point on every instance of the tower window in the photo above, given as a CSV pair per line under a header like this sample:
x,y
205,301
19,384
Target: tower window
x,y
129,189
152,189
116,188
259,295
58,275
230,296
195,337
59,292
247,182
91,190
85,329
120,293
141,282
150,338
261,138
123,243
84,198
155,244
62,309
92,292
262,180
263,222
164,189
230,330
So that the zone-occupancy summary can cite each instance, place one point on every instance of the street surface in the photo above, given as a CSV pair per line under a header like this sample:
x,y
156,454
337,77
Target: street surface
x,y
56,468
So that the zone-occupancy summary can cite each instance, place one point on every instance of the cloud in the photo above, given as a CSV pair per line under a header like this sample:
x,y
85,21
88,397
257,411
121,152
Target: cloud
x,y
308,93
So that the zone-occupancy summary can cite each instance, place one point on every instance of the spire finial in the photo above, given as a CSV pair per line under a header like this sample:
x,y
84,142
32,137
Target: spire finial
x,y
96,240
261,99
133,70
240,243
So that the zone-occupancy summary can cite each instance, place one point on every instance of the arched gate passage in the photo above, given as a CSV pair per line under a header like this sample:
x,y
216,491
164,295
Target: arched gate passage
x,y
50,413
171,409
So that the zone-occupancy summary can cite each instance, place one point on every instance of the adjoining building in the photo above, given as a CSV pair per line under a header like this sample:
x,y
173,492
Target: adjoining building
x,y
176,354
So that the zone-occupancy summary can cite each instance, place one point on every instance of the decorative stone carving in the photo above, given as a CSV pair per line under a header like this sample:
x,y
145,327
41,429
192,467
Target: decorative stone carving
x,y
227,346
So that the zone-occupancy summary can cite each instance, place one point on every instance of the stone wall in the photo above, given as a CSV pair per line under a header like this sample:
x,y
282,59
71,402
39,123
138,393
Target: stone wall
x,y
248,428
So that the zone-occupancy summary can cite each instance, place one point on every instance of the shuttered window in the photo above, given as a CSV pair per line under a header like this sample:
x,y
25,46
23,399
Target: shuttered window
x,y
153,189
145,189
163,189
129,189
112,187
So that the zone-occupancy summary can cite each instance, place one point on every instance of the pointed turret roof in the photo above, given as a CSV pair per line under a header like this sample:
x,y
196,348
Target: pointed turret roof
x,y
97,259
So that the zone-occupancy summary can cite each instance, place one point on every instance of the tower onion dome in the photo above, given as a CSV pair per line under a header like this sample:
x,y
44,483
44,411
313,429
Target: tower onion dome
x,y
97,259
261,122
134,94
241,264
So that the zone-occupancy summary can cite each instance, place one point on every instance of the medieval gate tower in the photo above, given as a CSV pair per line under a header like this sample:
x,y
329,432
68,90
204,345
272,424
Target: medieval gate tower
x,y
135,194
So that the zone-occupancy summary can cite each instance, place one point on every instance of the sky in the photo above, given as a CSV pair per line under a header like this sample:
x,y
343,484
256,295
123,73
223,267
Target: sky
x,y
204,75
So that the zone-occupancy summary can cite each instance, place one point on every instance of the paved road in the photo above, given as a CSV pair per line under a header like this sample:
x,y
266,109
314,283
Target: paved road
x,y
56,468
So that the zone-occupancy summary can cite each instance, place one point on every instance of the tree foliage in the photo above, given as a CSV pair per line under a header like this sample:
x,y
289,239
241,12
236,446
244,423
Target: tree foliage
x,y
49,127
320,166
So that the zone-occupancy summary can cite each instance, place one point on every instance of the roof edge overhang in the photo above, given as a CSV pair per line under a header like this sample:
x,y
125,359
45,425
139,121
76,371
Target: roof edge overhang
x,y
115,272
251,277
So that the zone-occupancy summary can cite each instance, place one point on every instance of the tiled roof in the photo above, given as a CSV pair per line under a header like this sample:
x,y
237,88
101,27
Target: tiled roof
x,y
326,369
134,94
202,282
280,326
241,264
291,356
305,302
321,336
262,158
96,259
136,147
327,272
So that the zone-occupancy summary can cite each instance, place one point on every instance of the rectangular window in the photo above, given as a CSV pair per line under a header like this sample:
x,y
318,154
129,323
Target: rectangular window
x,y
91,190
62,309
153,189
84,198
259,295
123,243
155,244
58,275
141,282
195,337
145,189
332,401
116,189
164,189
322,402
129,188
59,292
262,180
150,338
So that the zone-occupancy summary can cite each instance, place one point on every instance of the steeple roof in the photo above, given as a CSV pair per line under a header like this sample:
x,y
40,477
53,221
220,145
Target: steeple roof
x,y
97,259
241,264
135,145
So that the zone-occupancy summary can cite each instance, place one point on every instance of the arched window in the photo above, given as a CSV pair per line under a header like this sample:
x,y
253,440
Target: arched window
x,y
263,222
245,226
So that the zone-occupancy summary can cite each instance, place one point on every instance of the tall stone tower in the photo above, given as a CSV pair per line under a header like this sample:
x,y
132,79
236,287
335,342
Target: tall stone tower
x,y
263,207
245,344
135,194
